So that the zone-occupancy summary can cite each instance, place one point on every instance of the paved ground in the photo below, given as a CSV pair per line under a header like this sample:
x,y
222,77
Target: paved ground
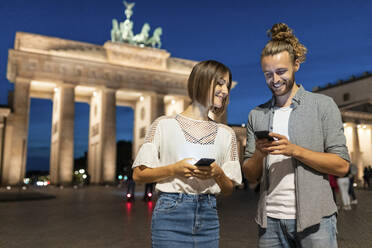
x,y
99,217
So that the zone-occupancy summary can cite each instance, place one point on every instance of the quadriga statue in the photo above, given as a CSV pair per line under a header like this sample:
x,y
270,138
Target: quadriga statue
x,y
155,40
115,31
142,37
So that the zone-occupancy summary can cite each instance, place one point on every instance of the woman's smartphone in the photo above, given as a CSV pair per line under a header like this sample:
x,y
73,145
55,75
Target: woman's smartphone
x,y
263,135
205,162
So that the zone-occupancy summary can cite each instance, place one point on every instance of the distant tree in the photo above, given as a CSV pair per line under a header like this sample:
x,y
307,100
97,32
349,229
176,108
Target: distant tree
x,y
123,157
81,162
36,175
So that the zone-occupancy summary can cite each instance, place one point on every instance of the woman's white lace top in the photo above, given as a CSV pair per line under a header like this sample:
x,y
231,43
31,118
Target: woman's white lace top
x,y
174,138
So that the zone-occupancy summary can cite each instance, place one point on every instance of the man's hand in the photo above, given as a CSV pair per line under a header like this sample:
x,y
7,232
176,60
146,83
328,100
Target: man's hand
x,y
281,145
261,145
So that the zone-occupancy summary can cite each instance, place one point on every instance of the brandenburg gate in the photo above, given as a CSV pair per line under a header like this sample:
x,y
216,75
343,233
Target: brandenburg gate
x,y
146,79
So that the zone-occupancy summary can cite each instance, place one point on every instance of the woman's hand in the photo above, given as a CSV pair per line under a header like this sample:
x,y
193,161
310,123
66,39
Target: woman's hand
x,y
208,172
214,171
183,168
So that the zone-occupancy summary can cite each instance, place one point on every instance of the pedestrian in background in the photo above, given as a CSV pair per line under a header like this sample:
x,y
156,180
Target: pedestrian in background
x,y
353,171
366,175
343,185
333,183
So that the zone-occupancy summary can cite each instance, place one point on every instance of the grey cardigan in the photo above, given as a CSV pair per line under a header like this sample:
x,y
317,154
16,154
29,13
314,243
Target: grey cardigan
x,y
315,123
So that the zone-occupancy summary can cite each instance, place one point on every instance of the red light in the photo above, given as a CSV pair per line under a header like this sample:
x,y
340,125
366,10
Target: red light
x,y
150,206
129,195
149,194
129,207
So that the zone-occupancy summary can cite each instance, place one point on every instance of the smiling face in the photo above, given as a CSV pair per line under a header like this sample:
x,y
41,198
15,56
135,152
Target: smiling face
x,y
221,91
279,71
209,84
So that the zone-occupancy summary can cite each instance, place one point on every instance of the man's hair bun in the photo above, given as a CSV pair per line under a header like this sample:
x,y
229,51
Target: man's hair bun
x,y
281,34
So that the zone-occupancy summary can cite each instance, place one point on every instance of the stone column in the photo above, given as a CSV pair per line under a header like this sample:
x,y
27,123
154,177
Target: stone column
x,y
2,126
102,137
356,155
2,135
62,138
16,134
94,156
147,109
109,136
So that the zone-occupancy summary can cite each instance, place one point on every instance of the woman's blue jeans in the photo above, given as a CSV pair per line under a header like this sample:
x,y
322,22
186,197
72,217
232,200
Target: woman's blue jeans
x,y
185,220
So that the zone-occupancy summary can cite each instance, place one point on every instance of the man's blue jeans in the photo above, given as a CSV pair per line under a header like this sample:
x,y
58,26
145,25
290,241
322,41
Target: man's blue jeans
x,y
282,233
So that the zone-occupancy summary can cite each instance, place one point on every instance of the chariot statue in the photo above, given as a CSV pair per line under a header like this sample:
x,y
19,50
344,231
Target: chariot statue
x,y
128,9
142,37
126,31
123,31
115,31
155,41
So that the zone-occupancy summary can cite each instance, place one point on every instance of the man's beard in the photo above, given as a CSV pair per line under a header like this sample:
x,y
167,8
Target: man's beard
x,y
288,85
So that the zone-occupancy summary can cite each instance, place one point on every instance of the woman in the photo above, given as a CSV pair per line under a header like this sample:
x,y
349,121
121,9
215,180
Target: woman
x,y
185,214
343,185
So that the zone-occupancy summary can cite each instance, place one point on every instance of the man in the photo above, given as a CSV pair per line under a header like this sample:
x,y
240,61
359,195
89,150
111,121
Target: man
x,y
353,171
366,175
296,207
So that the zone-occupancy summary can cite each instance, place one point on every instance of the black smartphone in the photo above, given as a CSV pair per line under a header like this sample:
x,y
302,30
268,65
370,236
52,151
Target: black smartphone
x,y
263,135
205,162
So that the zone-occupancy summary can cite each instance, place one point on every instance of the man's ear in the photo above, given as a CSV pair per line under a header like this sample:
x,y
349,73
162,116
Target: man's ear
x,y
296,65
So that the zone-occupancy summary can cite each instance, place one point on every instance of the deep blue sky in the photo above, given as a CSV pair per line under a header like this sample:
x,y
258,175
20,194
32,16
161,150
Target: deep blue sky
x,y
337,33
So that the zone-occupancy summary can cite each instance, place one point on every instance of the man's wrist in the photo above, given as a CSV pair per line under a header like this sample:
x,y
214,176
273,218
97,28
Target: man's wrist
x,y
259,155
296,153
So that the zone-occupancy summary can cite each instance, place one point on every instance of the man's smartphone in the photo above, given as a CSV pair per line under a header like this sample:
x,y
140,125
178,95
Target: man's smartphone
x,y
205,162
263,135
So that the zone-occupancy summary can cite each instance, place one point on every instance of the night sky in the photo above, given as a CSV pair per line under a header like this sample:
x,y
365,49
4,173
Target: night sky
x,y
338,36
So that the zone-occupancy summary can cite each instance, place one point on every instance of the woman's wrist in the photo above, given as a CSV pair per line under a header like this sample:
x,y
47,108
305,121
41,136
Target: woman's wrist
x,y
171,170
219,175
